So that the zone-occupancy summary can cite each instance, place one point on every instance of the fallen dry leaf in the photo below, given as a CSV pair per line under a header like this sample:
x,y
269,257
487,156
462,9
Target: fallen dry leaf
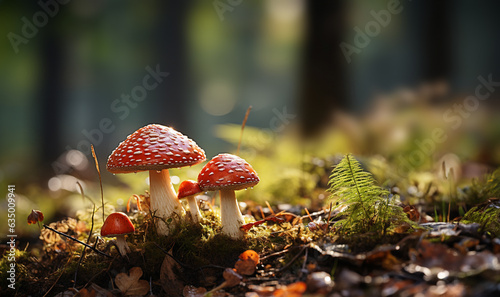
x,y
86,293
438,260
384,258
260,291
413,214
247,262
68,293
464,245
394,286
100,292
192,291
91,291
169,279
130,284
496,245
245,267
232,277
292,290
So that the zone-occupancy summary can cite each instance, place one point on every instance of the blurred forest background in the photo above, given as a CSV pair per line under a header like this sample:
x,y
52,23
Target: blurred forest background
x,y
62,87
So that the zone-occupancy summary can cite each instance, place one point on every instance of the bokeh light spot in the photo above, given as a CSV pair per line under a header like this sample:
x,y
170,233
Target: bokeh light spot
x,y
217,99
175,179
76,159
54,184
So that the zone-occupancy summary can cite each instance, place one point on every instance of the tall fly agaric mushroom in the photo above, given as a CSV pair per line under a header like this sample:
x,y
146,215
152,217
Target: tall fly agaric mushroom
x,y
118,225
157,148
188,189
228,173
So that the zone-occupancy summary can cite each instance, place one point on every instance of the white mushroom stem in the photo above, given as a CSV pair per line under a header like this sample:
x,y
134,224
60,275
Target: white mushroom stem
x,y
193,209
164,202
122,245
231,217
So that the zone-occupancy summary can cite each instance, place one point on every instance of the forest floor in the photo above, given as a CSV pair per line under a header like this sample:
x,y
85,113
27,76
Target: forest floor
x,y
295,255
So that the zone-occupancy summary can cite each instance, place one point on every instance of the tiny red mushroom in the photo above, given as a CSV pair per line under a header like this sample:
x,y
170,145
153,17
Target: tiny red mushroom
x,y
35,217
228,173
156,148
118,225
188,189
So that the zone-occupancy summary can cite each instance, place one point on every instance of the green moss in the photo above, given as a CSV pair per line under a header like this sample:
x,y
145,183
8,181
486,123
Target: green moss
x,y
481,190
193,245
487,216
18,258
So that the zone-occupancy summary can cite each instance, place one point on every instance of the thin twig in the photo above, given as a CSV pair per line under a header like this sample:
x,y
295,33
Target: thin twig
x,y
80,242
311,215
304,263
243,127
294,258
274,254
211,266
329,216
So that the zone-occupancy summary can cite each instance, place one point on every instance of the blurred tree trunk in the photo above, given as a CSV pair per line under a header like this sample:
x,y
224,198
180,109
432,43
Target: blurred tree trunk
x,y
50,96
324,79
172,54
437,43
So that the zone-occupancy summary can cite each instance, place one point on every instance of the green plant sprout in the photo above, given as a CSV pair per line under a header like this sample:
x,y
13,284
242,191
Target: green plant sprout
x,y
366,206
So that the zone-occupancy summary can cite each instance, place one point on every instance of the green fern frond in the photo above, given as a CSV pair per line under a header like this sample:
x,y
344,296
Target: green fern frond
x,y
367,207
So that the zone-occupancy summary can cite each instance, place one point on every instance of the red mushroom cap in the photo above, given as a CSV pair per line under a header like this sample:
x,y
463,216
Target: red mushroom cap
x,y
154,147
115,224
188,188
226,171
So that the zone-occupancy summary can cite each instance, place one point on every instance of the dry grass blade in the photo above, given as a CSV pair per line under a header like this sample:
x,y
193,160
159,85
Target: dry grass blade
x,y
88,238
270,208
242,128
308,214
100,180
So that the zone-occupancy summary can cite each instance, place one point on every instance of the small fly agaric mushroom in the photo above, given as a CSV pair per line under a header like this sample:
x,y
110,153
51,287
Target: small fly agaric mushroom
x,y
118,225
228,173
157,148
189,189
